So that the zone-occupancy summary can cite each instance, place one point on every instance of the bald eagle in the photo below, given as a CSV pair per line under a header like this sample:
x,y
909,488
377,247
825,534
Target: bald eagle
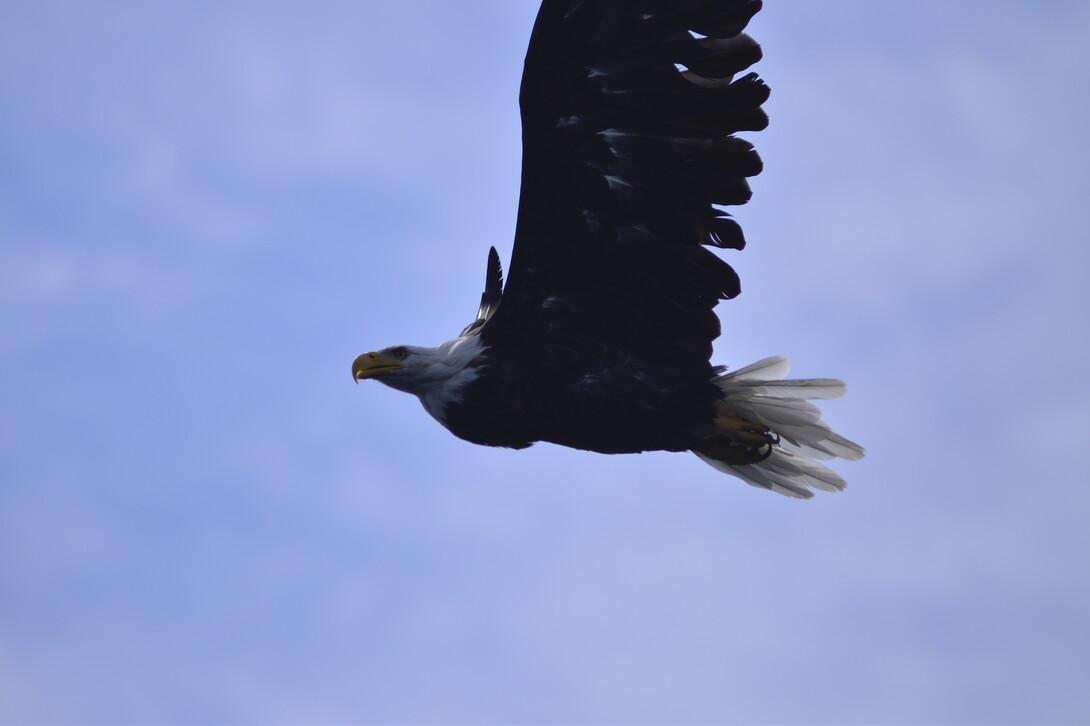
x,y
602,337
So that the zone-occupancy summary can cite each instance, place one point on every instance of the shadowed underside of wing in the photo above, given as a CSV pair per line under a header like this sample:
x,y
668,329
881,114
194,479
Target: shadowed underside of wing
x,y
628,111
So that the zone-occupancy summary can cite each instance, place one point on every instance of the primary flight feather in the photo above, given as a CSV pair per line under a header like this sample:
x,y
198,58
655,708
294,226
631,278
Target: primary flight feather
x,y
602,337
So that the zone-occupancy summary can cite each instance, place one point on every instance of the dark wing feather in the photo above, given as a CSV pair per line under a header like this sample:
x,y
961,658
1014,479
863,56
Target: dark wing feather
x,y
627,151
493,290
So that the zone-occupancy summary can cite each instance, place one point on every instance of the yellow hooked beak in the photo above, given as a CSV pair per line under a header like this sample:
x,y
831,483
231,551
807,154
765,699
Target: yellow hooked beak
x,y
373,365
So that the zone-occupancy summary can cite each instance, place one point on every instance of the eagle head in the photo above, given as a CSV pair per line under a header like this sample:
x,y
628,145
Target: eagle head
x,y
417,369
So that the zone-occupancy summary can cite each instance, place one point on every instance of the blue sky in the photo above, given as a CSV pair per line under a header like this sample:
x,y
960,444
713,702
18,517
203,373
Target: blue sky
x,y
207,210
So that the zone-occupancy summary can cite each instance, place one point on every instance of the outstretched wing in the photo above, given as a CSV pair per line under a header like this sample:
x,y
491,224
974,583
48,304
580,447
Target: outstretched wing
x,y
628,107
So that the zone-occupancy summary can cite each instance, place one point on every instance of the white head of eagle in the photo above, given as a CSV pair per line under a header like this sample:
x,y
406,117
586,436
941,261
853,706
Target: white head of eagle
x,y
436,375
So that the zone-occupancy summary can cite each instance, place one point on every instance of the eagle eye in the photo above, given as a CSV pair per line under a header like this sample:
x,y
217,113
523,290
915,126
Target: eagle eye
x,y
400,353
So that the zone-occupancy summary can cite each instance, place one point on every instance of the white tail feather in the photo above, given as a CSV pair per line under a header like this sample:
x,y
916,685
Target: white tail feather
x,y
758,393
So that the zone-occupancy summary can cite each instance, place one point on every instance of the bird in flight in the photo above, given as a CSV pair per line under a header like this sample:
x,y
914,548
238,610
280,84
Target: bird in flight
x,y
602,337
